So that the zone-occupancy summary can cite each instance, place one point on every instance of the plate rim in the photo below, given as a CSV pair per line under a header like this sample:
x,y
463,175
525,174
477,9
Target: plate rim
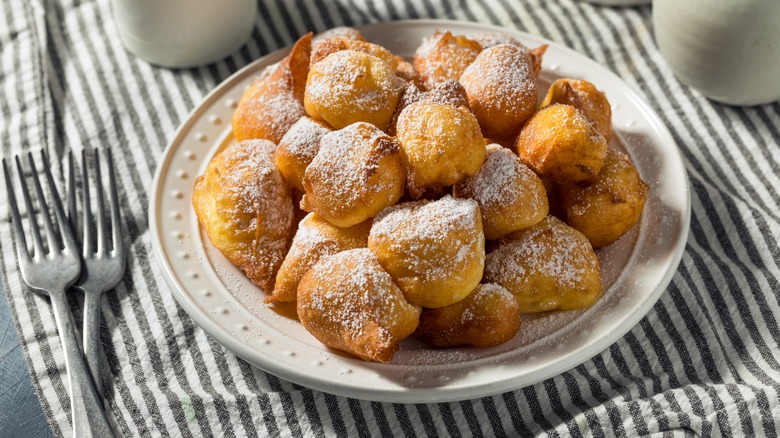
x,y
411,394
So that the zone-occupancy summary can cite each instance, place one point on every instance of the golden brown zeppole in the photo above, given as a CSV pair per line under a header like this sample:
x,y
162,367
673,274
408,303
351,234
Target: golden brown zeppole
x,y
488,316
611,205
429,190
561,144
358,172
275,100
584,96
443,144
244,205
501,87
444,56
298,148
347,301
434,250
549,266
314,239
510,195
349,87
340,32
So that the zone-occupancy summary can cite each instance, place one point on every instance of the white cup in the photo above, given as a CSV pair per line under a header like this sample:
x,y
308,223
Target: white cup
x,y
184,33
729,50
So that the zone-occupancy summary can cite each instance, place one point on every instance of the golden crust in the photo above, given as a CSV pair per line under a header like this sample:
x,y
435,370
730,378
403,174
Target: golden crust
x,y
298,148
349,87
316,238
488,316
244,205
611,205
501,87
357,172
442,143
434,250
347,301
559,143
444,56
584,96
510,195
549,266
275,100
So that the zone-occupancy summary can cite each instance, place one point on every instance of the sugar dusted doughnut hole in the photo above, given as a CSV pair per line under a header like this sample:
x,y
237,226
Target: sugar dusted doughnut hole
x,y
584,96
316,238
244,205
349,87
442,143
510,195
297,149
611,205
488,316
322,48
275,100
559,143
405,70
446,92
347,301
501,87
444,56
434,250
549,266
357,172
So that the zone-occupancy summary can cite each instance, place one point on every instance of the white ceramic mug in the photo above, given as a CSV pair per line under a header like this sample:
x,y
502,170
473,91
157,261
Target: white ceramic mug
x,y
184,33
729,50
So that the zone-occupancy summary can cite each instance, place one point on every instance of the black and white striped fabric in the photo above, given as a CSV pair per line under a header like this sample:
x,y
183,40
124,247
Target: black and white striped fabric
x,y
705,360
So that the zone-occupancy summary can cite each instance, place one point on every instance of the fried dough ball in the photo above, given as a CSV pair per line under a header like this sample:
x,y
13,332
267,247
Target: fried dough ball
x,y
611,205
434,250
490,39
298,148
559,143
340,32
444,56
488,316
549,266
244,205
446,92
510,195
316,238
501,87
349,87
443,144
275,100
347,301
322,48
584,96
357,172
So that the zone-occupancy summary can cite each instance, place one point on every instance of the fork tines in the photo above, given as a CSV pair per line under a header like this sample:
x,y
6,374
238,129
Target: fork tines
x,y
59,236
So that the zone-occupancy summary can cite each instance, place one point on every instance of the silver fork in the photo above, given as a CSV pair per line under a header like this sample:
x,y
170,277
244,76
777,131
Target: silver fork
x,y
103,260
49,268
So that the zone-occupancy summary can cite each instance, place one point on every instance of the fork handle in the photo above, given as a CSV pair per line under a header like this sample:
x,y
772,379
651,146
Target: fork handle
x,y
89,419
91,331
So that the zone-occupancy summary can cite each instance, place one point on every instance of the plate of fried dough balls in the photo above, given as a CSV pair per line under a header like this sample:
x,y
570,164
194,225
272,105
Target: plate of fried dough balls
x,y
420,211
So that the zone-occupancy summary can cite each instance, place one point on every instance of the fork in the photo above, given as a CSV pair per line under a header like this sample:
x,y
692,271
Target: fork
x,y
49,268
102,266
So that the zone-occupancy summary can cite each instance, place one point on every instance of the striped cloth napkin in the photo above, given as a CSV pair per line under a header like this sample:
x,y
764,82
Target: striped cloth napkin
x,y
703,361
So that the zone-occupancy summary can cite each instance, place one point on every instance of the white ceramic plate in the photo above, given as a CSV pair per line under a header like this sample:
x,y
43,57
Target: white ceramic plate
x,y
636,269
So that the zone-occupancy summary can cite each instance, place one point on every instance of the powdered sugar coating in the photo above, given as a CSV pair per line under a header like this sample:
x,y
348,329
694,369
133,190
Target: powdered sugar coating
x,y
548,266
245,206
510,195
349,302
433,249
501,87
357,172
444,56
298,148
